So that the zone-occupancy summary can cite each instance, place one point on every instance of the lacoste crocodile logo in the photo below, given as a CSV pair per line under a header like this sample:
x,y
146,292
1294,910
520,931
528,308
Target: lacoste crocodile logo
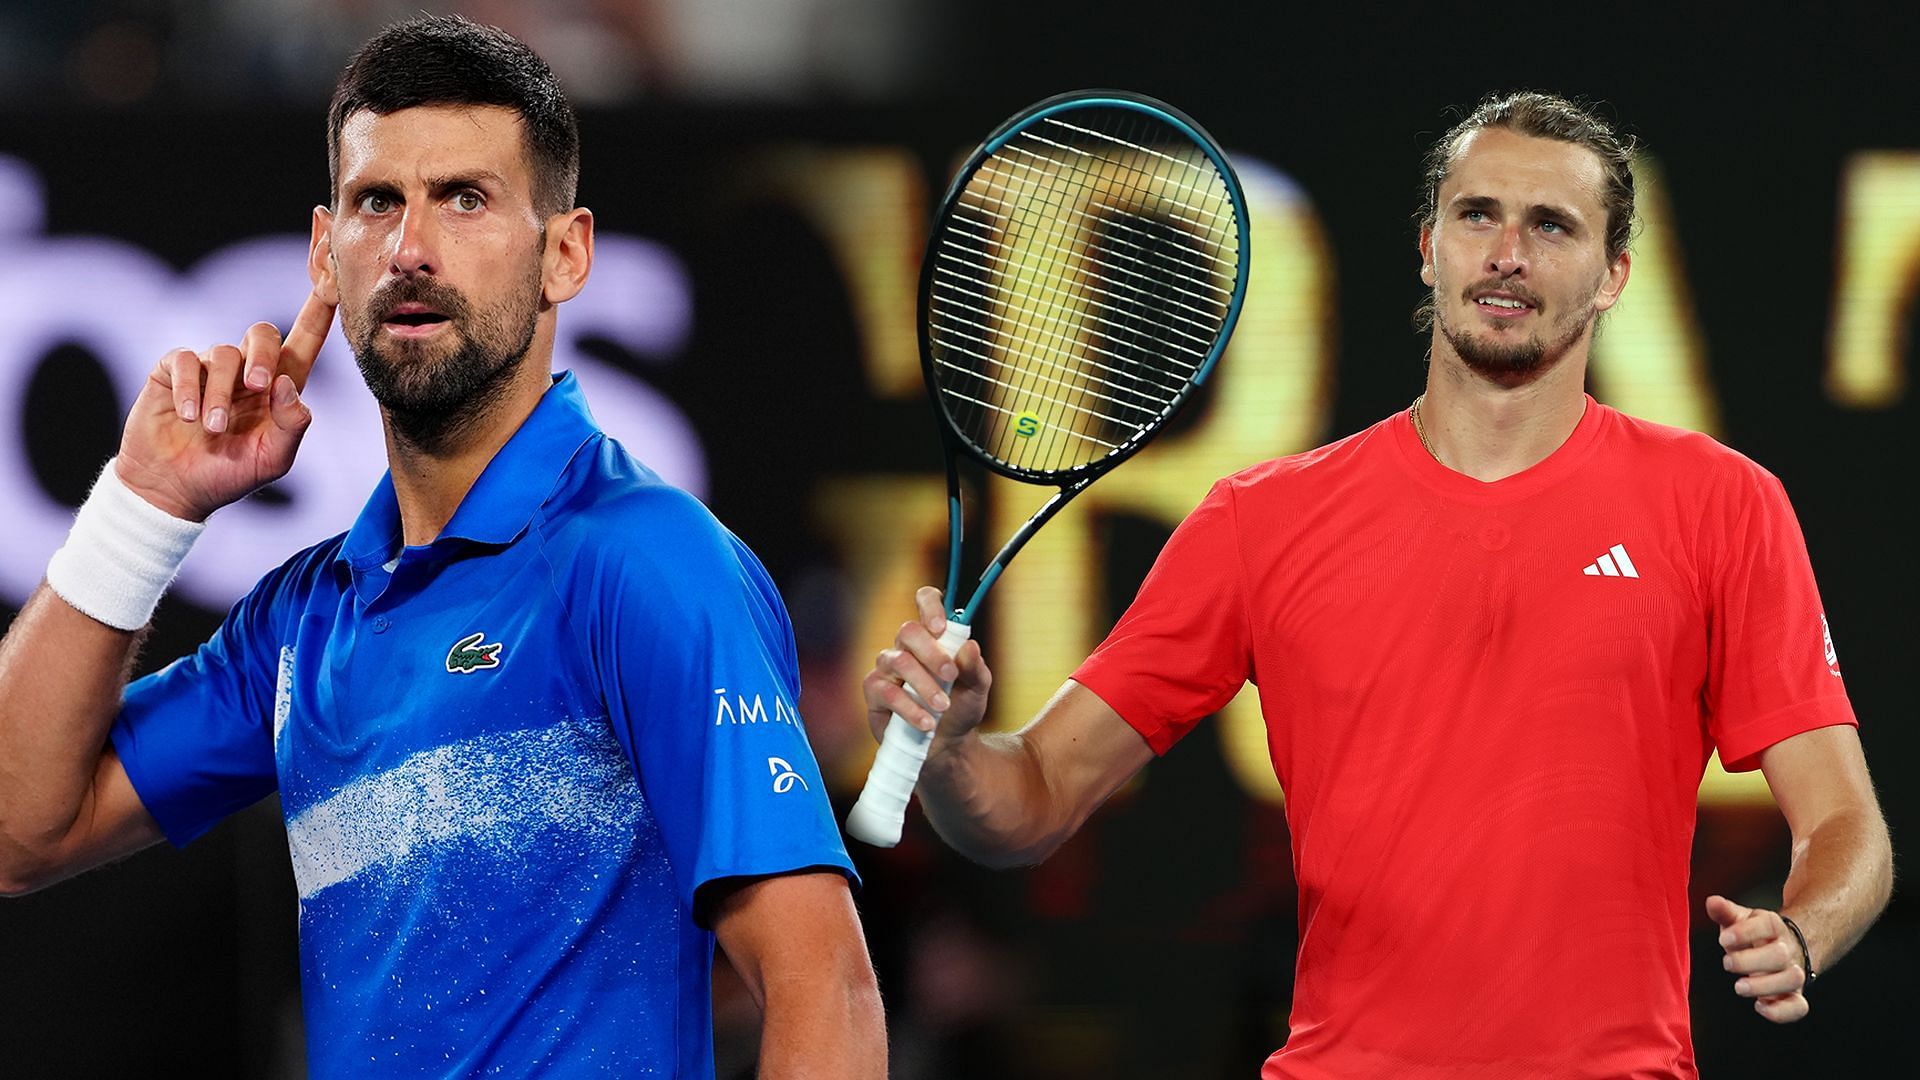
x,y
468,655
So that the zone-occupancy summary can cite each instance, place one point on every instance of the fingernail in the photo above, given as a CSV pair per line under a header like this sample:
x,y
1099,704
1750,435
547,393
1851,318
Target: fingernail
x,y
940,702
1726,939
190,411
927,724
949,672
1740,986
217,421
257,378
283,392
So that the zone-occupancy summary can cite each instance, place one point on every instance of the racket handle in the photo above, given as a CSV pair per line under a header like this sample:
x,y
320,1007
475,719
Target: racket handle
x,y
882,810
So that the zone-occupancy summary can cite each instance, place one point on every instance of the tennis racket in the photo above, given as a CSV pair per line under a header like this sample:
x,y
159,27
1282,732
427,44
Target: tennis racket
x,y
1083,274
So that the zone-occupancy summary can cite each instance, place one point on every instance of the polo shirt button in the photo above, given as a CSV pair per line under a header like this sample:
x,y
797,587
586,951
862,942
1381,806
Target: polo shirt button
x,y
380,624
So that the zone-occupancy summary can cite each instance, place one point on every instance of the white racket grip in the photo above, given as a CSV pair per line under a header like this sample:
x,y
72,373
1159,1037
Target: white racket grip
x,y
882,809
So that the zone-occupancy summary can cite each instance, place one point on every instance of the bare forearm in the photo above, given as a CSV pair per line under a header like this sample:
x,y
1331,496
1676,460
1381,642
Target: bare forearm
x,y
988,798
1840,881
61,676
825,1028
1012,800
795,940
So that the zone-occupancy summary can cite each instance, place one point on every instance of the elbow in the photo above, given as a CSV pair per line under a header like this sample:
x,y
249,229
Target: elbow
x,y
20,875
24,867
1002,860
1007,853
1024,858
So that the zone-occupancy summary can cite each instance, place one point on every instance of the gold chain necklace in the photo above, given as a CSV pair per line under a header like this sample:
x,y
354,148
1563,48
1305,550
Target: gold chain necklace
x,y
1419,428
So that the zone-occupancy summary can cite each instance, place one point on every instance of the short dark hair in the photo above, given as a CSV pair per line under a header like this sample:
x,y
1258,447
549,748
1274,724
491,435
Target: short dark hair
x,y
1544,116
451,60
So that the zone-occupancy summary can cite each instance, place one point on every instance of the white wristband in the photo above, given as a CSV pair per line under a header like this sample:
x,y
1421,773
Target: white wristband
x,y
121,555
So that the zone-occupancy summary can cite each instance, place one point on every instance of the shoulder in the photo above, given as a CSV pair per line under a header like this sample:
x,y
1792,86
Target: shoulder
x,y
1312,469
1280,492
614,522
1692,463
279,597
607,500
306,572
1680,445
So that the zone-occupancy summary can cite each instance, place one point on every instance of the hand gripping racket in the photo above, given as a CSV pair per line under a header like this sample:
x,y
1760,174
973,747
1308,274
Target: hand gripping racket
x,y
1084,272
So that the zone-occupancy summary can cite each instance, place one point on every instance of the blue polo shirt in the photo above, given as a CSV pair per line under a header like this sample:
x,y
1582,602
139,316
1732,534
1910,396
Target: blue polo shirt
x,y
509,761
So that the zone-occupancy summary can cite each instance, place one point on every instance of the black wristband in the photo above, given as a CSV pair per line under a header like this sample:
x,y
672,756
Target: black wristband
x,y
1806,955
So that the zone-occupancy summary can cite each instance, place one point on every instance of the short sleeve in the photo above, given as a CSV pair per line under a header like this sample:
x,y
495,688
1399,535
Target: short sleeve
x,y
697,663
1772,670
1182,650
196,737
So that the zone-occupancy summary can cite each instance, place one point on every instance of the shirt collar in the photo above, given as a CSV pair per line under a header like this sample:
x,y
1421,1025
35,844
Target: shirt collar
x,y
502,502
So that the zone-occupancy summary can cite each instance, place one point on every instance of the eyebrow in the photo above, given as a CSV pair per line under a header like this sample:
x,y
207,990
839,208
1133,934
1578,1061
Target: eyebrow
x,y
1538,210
356,189
474,178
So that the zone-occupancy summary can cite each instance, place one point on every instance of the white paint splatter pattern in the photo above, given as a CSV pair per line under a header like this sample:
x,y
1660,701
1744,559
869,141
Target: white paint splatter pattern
x,y
498,792
283,694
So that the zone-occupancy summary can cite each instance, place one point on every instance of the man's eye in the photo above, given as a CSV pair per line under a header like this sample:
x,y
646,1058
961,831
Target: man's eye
x,y
468,201
1552,227
1475,215
376,203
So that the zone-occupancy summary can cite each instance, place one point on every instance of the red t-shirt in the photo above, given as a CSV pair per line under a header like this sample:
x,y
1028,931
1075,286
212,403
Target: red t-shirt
x,y
1490,707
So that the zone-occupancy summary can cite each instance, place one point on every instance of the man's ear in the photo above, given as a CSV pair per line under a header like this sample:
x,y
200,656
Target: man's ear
x,y
1426,256
320,266
1616,282
568,257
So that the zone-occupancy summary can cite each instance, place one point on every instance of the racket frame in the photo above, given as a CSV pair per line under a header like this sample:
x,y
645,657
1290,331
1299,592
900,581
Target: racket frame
x,y
880,813
1070,482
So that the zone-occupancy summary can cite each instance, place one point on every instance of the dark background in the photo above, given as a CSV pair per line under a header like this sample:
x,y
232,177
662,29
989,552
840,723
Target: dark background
x,y
1159,942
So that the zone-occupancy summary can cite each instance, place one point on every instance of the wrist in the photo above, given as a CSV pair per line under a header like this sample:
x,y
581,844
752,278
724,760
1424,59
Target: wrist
x,y
946,765
136,482
965,751
121,554
1800,940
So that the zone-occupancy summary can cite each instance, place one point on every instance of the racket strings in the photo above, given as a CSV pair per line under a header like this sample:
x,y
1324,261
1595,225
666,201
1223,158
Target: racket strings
x,y
1133,280
1168,301
994,291
964,289
1112,212
1084,277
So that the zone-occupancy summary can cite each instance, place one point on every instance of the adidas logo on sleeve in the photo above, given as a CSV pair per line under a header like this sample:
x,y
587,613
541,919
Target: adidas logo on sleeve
x,y
1613,564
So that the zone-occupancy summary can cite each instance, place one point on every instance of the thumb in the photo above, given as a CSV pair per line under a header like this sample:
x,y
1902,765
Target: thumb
x,y
968,693
290,415
1724,911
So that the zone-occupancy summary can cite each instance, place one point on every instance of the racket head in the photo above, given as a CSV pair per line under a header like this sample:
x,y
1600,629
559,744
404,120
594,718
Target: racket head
x,y
1083,274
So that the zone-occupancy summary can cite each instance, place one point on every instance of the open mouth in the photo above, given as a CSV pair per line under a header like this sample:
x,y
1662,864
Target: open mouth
x,y
1502,306
411,319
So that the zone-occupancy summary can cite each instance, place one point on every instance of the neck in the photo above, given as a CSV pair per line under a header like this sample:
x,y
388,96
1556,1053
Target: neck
x,y
1491,429
429,484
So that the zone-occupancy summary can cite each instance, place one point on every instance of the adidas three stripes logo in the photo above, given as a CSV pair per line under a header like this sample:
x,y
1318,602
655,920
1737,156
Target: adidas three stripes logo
x,y
1613,564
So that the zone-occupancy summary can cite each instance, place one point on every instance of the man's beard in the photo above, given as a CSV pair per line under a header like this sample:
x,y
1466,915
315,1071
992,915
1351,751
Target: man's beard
x,y
1503,357
432,399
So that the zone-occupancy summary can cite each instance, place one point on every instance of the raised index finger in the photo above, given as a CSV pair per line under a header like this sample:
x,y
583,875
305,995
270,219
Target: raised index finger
x,y
303,342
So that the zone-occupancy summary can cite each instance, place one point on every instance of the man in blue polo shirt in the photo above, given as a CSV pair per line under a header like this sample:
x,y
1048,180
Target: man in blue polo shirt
x,y
532,718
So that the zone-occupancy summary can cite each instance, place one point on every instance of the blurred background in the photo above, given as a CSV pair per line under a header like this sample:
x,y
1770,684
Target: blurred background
x,y
762,172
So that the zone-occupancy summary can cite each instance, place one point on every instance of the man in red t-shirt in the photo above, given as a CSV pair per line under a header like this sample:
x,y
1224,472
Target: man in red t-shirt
x,y
1496,638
